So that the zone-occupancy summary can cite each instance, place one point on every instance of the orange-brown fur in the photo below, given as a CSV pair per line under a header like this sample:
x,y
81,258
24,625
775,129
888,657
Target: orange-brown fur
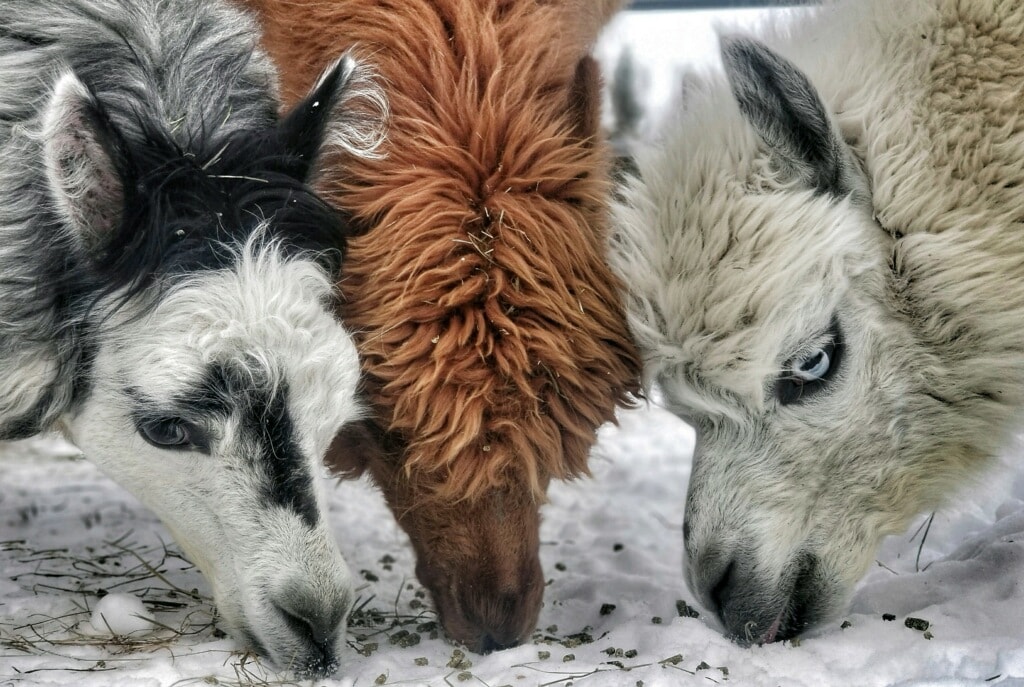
x,y
493,341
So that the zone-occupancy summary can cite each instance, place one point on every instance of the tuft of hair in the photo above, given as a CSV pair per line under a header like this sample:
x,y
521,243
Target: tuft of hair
x,y
362,131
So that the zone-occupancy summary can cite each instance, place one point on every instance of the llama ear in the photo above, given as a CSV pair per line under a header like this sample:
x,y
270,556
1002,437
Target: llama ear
x,y
786,112
354,448
585,99
345,109
83,167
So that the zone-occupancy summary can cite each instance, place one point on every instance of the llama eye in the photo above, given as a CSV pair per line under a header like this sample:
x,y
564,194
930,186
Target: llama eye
x,y
813,367
805,375
172,433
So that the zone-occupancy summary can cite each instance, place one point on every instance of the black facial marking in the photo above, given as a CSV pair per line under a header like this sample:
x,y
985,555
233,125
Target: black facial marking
x,y
289,481
266,425
265,428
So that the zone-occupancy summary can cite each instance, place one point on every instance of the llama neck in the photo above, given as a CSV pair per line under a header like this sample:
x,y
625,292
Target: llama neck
x,y
43,327
944,158
934,125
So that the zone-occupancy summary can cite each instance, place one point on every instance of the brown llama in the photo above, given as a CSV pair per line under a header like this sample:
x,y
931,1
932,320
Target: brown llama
x,y
493,342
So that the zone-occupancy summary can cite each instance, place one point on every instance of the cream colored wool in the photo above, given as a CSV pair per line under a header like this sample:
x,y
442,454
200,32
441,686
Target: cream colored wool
x,y
734,266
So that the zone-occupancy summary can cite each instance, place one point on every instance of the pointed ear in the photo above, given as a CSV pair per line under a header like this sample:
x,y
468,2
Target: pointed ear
x,y
346,108
84,167
356,446
584,106
789,116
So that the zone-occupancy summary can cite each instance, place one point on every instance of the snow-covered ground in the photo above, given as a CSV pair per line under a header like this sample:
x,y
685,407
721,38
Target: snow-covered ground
x,y
614,611
78,556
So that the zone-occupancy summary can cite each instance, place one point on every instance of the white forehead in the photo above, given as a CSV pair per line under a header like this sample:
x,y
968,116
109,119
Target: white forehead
x,y
727,265
266,313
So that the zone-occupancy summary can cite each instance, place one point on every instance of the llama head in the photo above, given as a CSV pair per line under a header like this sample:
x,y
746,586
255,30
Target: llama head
x,y
215,408
489,324
215,373
762,294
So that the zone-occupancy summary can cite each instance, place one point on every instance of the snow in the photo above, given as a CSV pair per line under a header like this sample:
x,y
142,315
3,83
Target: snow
x,y
73,544
66,532
119,615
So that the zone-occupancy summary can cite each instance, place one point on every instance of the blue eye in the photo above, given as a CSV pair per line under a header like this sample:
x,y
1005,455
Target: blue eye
x,y
806,375
813,367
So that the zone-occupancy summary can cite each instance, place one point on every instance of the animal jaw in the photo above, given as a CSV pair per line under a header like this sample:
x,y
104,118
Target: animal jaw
x,y
487,319
167,290
795,210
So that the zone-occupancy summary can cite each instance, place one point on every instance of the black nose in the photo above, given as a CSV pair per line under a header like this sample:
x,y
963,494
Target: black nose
x,y
489,644
745,606
755,608
316,619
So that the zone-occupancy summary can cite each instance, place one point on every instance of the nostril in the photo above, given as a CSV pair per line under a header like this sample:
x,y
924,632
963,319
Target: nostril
x,y
313,628
308,619
722,589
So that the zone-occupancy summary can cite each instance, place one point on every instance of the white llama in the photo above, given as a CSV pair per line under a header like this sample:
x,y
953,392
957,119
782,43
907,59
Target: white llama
x,y
825,275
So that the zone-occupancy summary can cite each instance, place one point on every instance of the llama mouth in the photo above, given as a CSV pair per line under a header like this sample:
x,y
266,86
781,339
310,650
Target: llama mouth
x,y
797,611
773,629
317,661
756,613
485,620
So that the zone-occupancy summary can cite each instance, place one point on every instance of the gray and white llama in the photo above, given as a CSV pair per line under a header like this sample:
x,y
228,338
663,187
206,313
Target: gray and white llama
x,y
166,282
824,263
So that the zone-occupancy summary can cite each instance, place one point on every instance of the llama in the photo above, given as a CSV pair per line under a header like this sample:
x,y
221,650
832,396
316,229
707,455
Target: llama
x,y
824,274
166,281
492,334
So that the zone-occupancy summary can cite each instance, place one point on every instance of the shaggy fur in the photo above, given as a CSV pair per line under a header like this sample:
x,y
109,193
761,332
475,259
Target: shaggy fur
x,y
826,277
166,283
487,319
